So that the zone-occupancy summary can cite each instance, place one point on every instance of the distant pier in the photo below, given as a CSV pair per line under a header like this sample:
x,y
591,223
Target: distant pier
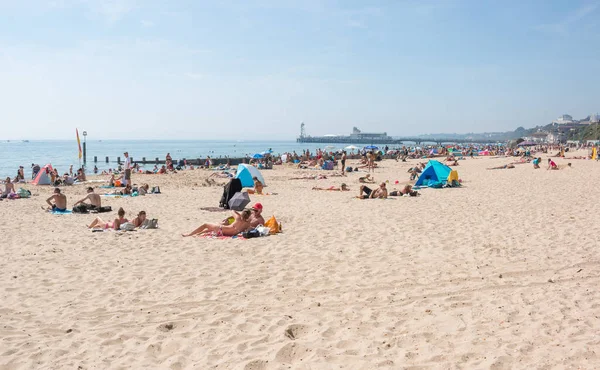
x,y
395,141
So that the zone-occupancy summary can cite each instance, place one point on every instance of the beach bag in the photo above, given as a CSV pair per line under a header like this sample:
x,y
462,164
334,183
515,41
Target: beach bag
x,y
80,208
24,193
273,226
263,230
127,226
251,234
150,224
104,209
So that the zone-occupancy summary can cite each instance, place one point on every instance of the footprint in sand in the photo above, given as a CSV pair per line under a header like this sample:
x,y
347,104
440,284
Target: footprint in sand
x,y
295,331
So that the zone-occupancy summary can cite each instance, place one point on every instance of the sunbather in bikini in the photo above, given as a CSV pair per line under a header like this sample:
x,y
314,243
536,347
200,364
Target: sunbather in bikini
x,y
309,177
343,187
240,224
98,223
506,166
258,187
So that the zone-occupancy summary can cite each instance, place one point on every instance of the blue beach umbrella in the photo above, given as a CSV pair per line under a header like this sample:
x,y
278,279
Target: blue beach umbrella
x,y
257,155
371,147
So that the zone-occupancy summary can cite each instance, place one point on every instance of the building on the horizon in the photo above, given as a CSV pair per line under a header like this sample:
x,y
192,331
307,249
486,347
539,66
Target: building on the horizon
x,y
359,135
565,119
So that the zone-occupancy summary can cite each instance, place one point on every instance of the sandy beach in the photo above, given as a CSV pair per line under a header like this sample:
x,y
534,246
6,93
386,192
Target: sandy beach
x,y
497,274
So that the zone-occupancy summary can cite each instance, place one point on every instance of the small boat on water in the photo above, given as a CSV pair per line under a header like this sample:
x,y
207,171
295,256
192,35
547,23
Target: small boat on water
x,y
25,141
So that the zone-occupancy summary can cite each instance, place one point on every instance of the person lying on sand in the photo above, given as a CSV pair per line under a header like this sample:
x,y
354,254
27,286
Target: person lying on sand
x,y
255,220
309,177
406,190
98,223
506,166
126,191
367,179
143,190
222,175
551,165
380,192
241,223
60,201
139,220
342,187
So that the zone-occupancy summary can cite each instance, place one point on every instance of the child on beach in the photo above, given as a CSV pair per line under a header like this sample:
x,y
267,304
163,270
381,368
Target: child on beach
x,y
551,165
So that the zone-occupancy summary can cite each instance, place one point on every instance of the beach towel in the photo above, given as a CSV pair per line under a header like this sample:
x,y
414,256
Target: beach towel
x,y
215,236
116,195
56,212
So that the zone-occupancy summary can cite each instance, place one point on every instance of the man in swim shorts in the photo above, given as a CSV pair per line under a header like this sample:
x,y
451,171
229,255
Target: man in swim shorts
x,y
95,201
60,201
380,192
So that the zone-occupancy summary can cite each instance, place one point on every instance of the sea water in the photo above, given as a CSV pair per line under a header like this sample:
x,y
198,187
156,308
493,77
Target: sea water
x,y
64,153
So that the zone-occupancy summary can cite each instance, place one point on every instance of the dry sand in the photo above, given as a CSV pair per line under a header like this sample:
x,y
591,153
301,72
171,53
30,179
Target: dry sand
x,y
500,274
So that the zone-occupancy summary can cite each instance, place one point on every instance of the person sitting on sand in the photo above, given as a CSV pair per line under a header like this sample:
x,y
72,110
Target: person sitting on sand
x,y
551,165
256,217
536,162
95,200
81,175
241,223
367,179
98,223
60,201
342,187
9,188
506,166
379,193
258,187
162,171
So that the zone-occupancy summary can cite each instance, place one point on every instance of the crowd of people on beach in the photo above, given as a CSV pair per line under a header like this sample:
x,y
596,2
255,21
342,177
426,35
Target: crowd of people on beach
x,y
249,219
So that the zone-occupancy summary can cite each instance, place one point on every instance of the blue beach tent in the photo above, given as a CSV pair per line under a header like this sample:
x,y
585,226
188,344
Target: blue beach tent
x,y
246,172
434,175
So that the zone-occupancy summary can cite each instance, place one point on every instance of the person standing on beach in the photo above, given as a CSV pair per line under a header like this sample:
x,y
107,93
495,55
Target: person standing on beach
x,y
127,178
343,160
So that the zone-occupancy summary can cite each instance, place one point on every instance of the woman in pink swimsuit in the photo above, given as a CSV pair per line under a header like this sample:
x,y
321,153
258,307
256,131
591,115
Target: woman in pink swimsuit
x,y
116,224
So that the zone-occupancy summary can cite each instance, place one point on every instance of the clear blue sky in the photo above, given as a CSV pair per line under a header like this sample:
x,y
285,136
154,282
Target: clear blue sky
x,y
257,68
